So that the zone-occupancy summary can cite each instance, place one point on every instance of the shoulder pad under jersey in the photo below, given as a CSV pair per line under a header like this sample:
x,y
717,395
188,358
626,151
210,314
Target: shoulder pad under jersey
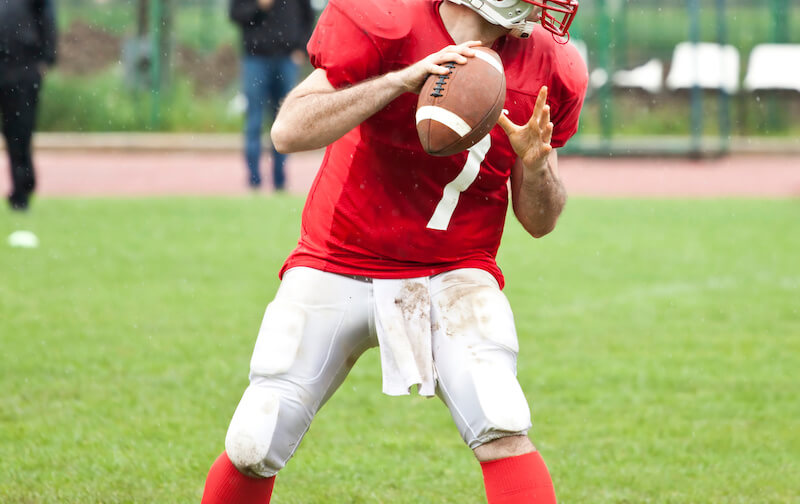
x,y
381,18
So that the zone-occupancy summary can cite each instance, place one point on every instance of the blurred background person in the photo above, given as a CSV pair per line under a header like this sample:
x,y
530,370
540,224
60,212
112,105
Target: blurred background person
x,y
27,48
274,35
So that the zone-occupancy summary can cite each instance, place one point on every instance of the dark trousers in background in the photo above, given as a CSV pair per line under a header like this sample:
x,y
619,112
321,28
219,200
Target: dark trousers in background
x,y
266,80
18,103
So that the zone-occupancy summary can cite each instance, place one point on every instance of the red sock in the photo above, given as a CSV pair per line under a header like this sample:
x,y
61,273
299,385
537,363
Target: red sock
x,y
226,485
523,479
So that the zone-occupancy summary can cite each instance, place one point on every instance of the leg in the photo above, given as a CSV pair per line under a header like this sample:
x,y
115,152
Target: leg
x,y
283,79
475,353
19,105
311,336
255,71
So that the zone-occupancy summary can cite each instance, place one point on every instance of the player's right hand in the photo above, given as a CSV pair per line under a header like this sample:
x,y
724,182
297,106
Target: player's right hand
x,y
265,4
413,77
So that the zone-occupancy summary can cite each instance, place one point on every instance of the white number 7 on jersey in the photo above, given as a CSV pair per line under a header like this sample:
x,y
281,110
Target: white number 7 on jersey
x,y
452,191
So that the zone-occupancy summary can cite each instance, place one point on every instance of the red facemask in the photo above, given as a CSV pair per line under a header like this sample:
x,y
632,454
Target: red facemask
x,y
557,15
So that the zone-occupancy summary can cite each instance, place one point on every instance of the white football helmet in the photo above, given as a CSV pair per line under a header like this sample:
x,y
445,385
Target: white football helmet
x,y
556,15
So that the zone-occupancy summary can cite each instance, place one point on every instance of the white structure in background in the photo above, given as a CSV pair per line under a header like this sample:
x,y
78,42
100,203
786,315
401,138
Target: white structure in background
x,y
774,67
598,78
649,77
707,65
237,105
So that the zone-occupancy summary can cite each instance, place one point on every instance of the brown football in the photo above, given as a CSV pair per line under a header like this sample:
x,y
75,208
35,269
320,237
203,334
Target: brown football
x,y
455,111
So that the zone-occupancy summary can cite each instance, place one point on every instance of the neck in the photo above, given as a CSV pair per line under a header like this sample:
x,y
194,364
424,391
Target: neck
x,y
464,24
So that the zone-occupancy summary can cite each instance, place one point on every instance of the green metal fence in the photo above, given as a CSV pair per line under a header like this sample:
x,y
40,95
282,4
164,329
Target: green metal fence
x,y
173,65
143,65
626,34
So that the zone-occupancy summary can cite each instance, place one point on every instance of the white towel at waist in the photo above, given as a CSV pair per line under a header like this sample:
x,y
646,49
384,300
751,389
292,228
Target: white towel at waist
x,y
403,324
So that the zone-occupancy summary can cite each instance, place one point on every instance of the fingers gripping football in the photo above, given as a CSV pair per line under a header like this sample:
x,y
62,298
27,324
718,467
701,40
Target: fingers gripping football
x,y
413,77
456,110
531,141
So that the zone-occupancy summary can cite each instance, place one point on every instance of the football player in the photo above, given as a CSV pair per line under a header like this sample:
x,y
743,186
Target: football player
x,y
397,248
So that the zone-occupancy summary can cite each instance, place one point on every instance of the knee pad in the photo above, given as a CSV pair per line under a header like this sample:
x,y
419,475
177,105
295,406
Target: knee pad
x,y
251,432
487,403
501,400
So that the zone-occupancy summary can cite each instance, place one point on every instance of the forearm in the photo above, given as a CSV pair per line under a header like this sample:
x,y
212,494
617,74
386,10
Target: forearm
x,y
315,114
539,196
312,119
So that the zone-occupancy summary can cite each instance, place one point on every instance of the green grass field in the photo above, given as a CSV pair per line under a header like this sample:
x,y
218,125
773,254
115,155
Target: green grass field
x,y
660,351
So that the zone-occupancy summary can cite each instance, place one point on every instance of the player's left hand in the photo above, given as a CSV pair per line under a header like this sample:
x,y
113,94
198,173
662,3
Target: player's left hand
x,y
531,141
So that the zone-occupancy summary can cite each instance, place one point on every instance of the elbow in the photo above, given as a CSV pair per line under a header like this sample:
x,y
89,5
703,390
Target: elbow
x,y
281,138
538,225
541,233
537,228
540,230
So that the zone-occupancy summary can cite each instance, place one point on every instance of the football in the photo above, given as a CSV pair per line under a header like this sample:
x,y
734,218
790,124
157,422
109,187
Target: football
x,y
455,111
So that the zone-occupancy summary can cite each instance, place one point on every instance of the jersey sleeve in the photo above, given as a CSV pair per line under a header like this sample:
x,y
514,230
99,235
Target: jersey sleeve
x,y
565,120
573,82
343,49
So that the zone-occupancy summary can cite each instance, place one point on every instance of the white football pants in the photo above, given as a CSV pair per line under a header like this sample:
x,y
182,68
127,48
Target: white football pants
x,y
320,323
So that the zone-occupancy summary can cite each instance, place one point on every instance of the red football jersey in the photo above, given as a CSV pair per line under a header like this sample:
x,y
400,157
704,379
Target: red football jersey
x,y
380,206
